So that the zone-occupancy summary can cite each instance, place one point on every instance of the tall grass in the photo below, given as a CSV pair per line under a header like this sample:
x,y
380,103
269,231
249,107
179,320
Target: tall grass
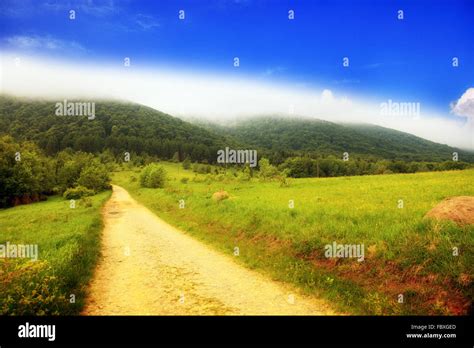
x,y
69,244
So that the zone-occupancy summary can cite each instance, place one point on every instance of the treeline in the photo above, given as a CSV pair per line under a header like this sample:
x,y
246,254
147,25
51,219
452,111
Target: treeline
x,y
304,167
307,167
27,175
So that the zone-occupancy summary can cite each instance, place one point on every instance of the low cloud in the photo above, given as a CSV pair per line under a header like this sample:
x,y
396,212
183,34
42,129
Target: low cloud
x,y
224,98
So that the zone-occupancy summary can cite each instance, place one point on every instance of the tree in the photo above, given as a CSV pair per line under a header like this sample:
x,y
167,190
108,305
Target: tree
x,y
95,177
69,167
267,171
25,173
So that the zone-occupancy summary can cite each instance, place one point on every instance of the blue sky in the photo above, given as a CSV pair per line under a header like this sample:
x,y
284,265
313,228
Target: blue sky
x,y
408,59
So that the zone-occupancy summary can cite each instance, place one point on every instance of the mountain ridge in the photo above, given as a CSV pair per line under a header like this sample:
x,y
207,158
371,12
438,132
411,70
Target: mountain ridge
x,y
123,126
303,134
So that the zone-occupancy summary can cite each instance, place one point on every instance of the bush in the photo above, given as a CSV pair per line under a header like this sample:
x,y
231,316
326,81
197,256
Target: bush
x,y
202,168
184,180
283,180
86,202
153,176
208,179
144,175
267,171
95,177
198,178
187,164
77,192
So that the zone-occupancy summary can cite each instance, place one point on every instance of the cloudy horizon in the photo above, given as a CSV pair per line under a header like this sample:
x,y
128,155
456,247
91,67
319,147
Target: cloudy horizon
x,y
221,99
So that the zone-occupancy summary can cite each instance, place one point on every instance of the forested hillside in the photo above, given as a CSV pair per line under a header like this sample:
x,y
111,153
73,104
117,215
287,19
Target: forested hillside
x,y
287,137
127,127
117,126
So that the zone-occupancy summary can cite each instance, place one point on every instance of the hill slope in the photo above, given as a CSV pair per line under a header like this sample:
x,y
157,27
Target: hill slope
x,y
322,138
128,127
117,126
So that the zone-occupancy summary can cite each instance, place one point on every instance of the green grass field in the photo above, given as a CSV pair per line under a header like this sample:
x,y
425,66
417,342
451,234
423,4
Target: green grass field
x,y
68,243
405,254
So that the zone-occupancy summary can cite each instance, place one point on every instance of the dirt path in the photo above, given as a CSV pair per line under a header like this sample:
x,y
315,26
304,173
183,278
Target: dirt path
x,y
150,268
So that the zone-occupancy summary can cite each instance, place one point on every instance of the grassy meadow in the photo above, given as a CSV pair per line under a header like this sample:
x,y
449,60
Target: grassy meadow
x,y
68,242
405,253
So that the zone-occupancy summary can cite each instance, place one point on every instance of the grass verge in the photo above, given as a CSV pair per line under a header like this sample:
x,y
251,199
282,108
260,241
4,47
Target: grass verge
x,y
68,241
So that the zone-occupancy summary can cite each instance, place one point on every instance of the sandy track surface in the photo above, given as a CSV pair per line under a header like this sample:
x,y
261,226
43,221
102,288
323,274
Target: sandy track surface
x,y
148,267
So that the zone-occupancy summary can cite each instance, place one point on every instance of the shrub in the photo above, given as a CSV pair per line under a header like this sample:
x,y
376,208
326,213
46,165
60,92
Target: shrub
x,y
283,180
184,180
187,163
246,173
202,168
267,171
144,175
209,179
77,192
86,202
153,176
95,177
198,178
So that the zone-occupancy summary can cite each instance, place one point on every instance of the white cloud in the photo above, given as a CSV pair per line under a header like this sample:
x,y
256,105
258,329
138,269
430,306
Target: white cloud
x,y
98,8
36,42
327,97
465,105
146,22
218,97
30,8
